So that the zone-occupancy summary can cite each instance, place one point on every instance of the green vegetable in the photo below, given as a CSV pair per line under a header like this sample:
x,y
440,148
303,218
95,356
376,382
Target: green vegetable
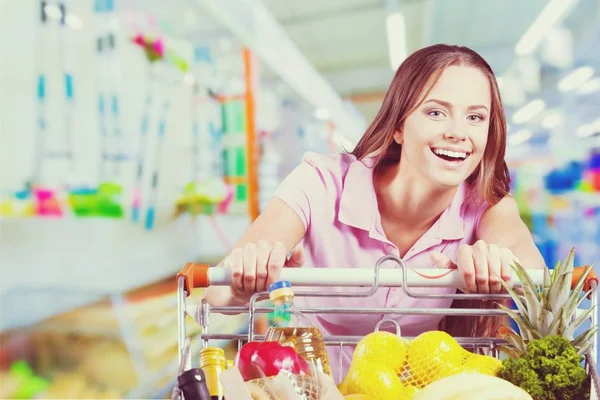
x,y
550,369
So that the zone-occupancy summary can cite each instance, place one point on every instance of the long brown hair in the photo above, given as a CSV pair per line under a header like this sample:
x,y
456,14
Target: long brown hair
x,y
490,181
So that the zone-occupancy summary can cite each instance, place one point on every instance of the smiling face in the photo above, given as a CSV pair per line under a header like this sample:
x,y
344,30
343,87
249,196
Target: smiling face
x,y
443,140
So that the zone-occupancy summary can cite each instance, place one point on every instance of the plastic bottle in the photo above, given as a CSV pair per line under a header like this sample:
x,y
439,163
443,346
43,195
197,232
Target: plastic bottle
x,y
212,363
291,328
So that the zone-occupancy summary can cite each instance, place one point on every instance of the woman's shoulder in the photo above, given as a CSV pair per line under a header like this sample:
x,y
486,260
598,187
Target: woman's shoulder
x,y
335,163
330,168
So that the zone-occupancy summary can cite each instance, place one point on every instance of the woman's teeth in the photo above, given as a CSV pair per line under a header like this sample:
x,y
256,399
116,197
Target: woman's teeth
x,y
450,155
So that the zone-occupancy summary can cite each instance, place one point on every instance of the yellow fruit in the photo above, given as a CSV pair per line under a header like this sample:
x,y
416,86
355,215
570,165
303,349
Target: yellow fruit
x,y
409,392
357,397
434,355
482,364
384,348
377,380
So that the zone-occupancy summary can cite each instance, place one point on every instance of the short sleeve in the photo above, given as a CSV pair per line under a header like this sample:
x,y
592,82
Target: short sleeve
x,y
302,190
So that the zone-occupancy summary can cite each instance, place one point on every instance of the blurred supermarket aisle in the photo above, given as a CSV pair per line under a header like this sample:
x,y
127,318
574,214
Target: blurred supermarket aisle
x,y
138,135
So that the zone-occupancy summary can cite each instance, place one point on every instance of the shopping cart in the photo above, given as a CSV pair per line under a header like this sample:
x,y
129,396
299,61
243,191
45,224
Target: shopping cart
x,y
367,281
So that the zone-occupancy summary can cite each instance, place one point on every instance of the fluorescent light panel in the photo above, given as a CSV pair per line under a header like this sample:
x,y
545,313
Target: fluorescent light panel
x,y
519,137
396,35
528,111
575,79
550,15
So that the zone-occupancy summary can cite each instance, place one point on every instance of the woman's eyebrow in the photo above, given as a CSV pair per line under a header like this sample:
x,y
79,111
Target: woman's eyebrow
x,y
449,105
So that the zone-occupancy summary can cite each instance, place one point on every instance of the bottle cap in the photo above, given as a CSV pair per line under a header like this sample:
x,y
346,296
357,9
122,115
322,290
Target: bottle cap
x,y
280,290
213,356
279,285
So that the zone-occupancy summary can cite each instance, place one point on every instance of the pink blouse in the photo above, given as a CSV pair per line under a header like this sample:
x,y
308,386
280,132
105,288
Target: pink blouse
x,y
335,199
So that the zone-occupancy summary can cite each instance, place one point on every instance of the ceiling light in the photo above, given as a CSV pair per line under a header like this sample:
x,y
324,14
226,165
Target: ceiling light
x,y
396,36
74,22
551,121
586,130
550,15
528,111
575,79
321,114
590,86
589,129
519,137
53,12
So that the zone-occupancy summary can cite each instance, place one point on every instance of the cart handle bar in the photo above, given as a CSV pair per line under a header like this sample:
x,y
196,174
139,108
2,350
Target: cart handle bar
x,y
202,276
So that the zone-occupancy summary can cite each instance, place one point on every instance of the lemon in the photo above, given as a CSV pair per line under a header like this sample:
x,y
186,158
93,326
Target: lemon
x,y
409,392
377,380
357,397
384,348
433,355
482,364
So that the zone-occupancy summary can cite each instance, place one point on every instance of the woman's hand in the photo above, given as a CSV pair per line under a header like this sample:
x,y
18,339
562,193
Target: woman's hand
x,y
482,266
257,265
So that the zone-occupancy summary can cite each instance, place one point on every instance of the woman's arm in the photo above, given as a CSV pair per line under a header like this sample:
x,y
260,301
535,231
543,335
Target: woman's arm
x,y
277,223
502,225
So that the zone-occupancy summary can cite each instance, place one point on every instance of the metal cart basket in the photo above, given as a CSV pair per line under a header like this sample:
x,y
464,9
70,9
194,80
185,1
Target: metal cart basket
x,y
367,281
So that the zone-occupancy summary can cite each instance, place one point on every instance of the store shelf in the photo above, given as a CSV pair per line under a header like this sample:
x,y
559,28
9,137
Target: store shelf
x,y
49,266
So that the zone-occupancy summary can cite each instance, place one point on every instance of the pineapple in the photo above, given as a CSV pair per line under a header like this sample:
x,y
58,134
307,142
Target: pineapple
x,y
549,310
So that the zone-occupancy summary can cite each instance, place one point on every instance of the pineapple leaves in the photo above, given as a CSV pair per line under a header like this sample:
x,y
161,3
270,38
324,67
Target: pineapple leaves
x,y
512,353
516,344
515,297
523,276
558,325
563,275
570,331
582,342
575,298
524,324
549,309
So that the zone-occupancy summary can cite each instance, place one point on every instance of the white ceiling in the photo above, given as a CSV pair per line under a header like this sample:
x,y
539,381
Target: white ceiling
x,y
346,39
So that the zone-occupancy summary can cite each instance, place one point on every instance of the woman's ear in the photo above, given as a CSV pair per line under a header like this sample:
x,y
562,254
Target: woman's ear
x,y
398,137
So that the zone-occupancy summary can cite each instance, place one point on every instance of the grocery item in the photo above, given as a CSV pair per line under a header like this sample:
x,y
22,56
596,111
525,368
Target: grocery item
x,y
433,355
549,310
374,379
212,363
385,348
291,328
469,386
265,359
481,364
550,368
193,384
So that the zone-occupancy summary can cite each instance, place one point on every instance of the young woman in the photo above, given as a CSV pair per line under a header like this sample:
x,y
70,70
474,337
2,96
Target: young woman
x,y
427,182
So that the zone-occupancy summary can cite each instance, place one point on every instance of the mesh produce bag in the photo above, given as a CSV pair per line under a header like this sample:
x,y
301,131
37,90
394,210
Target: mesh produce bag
x,y
384,365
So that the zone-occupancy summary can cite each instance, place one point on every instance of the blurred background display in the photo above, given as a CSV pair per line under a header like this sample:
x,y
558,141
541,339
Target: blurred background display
x,y
138,135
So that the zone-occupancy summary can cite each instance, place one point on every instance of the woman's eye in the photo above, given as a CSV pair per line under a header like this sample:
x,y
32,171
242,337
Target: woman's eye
x,y
436,113
475,118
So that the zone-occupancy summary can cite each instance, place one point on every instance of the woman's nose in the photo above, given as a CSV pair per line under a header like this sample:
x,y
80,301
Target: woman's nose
x,y
456,131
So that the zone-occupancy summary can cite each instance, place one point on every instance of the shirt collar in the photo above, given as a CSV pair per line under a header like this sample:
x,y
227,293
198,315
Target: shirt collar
x,y
358,204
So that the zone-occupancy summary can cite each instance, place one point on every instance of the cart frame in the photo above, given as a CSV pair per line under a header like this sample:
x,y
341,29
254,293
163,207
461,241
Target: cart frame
x,y
196,276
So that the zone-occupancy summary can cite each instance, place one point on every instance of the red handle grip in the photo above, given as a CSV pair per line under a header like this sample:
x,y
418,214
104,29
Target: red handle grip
x,y
195,276
591,277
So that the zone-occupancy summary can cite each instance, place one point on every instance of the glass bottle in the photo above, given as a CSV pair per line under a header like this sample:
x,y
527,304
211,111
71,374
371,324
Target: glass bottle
x,y
212,363
290,327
